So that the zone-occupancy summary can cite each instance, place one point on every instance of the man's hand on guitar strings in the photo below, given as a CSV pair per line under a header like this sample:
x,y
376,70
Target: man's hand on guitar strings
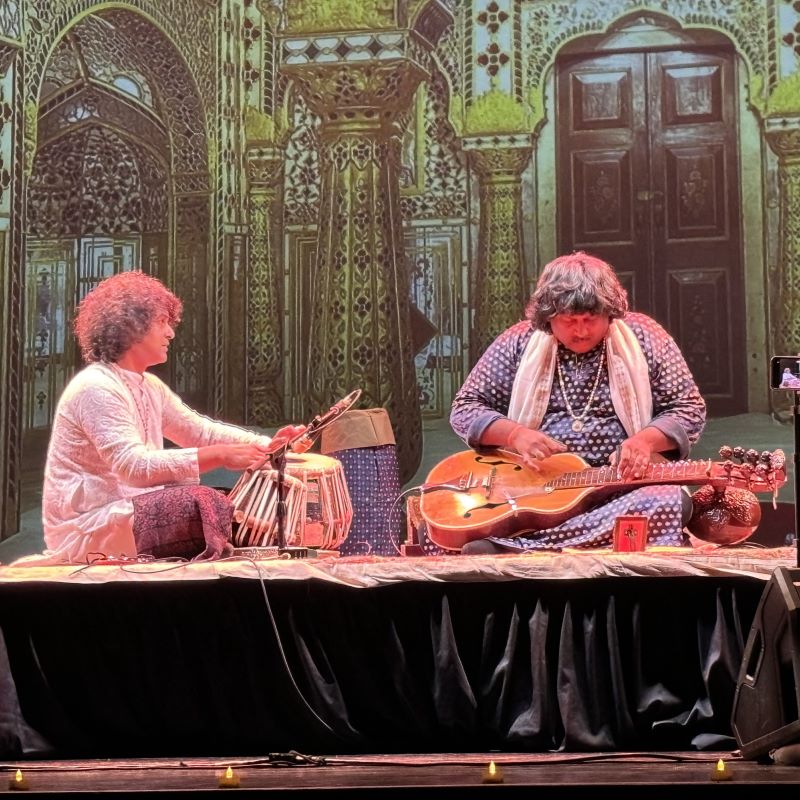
x,y
631,459
534,446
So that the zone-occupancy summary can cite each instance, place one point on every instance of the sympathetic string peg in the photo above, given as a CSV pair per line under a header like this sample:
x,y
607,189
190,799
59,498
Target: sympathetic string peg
x,y
777,459
726,451
752,456
766,456
738,452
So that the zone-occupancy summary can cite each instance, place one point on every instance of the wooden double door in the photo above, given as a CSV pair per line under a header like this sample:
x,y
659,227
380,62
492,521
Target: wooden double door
x,y
648,180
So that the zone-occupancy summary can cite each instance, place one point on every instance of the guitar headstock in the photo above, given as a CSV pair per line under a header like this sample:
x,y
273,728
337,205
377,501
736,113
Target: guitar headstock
x,y
749,469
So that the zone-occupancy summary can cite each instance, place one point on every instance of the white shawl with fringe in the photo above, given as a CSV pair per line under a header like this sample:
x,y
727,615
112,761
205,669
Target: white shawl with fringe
x,y
628,376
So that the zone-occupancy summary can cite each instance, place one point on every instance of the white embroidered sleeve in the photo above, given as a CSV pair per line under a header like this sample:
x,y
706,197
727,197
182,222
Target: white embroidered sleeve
x,y
109,423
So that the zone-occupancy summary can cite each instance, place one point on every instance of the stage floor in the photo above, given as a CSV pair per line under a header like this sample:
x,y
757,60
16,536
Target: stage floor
x,y
443,775
372,571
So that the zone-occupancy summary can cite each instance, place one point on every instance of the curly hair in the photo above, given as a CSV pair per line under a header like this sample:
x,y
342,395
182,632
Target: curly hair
x,y
119,311
576,284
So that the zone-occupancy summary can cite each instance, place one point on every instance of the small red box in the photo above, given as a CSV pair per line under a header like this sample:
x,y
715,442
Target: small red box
x,y
630,533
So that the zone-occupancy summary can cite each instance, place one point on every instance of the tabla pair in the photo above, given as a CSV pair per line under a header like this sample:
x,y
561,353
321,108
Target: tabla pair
x,y
318,509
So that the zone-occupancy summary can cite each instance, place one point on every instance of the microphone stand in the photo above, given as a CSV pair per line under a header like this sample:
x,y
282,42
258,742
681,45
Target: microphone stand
x,y
279,465
278,461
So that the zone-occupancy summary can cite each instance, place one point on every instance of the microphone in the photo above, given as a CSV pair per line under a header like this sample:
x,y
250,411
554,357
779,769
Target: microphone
x,y
305,440
336,410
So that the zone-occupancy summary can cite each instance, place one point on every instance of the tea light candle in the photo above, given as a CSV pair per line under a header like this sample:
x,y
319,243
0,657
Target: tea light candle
x,y
721,772
492,774
229,780
18,782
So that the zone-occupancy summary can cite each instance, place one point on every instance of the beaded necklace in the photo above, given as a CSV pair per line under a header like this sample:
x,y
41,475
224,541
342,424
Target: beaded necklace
x,y
578,419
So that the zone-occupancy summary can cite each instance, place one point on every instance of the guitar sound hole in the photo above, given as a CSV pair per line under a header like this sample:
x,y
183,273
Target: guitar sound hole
x,y
468,514
497,463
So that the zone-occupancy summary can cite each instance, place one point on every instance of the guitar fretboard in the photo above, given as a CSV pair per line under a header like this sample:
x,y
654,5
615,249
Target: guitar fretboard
x,y
665,472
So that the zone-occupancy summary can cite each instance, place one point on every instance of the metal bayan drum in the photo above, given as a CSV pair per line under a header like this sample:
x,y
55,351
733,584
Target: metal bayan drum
x,y
318,506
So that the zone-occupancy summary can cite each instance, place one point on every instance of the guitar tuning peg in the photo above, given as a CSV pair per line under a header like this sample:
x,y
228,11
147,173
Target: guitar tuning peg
x,y
762,469
726,451
738,452
752,456
766,456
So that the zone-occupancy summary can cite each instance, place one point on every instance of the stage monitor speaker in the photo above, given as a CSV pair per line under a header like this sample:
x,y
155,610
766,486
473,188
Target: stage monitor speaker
x,y
766,705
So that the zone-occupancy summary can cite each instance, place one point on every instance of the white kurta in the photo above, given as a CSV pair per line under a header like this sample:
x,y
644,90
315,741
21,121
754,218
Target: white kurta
x,y
107,446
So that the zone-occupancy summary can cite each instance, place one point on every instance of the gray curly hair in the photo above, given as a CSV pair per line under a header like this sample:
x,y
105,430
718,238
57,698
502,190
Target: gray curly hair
x,y
576,284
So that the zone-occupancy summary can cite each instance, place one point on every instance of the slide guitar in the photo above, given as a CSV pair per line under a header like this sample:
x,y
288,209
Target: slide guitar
x,y
477,494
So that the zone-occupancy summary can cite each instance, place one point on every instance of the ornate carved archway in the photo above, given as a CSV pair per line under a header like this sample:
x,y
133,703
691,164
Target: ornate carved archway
x,y
145,69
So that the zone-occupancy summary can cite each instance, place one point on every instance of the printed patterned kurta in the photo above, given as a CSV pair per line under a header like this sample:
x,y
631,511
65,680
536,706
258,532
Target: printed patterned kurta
x,y
678,411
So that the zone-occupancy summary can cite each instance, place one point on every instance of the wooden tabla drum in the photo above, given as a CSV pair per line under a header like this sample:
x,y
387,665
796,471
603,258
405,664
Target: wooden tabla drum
x,y
319,511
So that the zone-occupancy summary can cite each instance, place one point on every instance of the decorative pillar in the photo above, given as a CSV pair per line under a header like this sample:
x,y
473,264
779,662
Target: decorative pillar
x,y
783,135
187,273
264,347
360,334
500,276
12,180
236,333
360,84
